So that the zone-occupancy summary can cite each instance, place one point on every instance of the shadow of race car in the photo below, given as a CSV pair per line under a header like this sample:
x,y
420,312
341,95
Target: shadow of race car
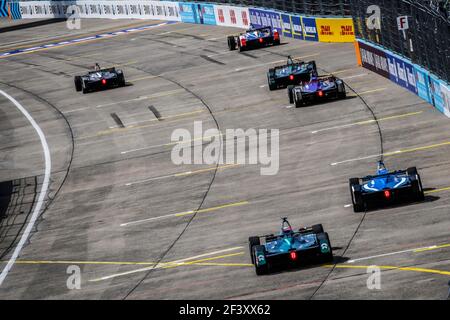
x,y
254,38
386,188
100,79
319,89
292,73
290,248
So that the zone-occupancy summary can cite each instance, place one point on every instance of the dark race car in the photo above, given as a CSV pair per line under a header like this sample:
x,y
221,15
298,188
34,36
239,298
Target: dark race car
x,y
386,188
290,248
292,73
254,38
100,79
319,89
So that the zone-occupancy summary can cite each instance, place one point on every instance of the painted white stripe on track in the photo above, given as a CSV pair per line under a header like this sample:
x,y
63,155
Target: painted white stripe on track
x,y
42,194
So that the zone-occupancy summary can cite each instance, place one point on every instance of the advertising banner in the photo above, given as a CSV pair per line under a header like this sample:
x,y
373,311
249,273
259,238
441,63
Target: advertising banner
x,y
263,18
445,89
297,28
374,59
232,16
133,9
335,30
422,82
3,9
436,93
286,25
197,13
402,72
309,29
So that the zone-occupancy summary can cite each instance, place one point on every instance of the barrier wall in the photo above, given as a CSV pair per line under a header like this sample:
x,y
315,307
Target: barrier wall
x,y
406,74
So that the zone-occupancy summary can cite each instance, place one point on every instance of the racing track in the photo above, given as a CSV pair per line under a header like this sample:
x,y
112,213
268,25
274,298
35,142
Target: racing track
x,y
124,205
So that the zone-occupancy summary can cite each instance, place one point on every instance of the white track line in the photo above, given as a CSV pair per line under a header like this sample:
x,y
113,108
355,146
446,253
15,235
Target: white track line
x,y
163,264
391,254
42,194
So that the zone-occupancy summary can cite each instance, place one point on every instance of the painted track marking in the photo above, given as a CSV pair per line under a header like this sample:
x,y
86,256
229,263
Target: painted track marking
x,y
42,193
185,213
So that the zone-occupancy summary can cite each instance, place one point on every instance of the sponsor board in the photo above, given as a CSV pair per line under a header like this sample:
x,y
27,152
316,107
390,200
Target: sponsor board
x,y
309,29
335,30
374,59
263,18
437,96
286,24
197,13
297,28
3,8
232,16
402,72
445,90
422,82
160,10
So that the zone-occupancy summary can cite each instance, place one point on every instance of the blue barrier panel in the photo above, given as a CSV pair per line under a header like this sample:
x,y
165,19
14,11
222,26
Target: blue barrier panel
x,y
206,14
287,25
297,28
3,8
422,82
188,12
310,29
15,10
263,18
437,96
402,72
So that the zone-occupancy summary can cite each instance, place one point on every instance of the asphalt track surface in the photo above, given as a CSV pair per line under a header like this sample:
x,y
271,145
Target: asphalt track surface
x,y
117,205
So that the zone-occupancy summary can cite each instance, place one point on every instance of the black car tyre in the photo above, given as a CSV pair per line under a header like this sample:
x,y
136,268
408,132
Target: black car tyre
x,y
290,89
357,199
298,99
327,257
252,242
78,84
317,228
416,181
231,43
260,270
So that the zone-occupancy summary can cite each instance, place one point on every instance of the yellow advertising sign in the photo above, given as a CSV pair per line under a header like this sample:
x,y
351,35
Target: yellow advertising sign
x,y
335,30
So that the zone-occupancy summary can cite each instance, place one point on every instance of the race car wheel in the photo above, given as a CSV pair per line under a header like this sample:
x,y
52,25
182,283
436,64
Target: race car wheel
x,y
78,84
416,183
270,80
342,94
262,269
85,90
326,257
252,242
290,89
317,228
121,80
298,99
355,191
231,43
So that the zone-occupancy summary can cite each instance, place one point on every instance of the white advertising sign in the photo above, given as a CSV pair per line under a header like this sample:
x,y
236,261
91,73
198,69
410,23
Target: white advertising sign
x,y
134,9
232,16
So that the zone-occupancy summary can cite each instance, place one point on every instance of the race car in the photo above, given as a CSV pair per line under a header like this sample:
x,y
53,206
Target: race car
x,y
100,79
292,73
386,188
290,248
319,89
254,38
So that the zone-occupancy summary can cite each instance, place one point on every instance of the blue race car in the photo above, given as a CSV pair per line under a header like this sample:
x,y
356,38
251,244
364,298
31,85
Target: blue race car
x,y
318,89
290,248
292,73
254,38
386,188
